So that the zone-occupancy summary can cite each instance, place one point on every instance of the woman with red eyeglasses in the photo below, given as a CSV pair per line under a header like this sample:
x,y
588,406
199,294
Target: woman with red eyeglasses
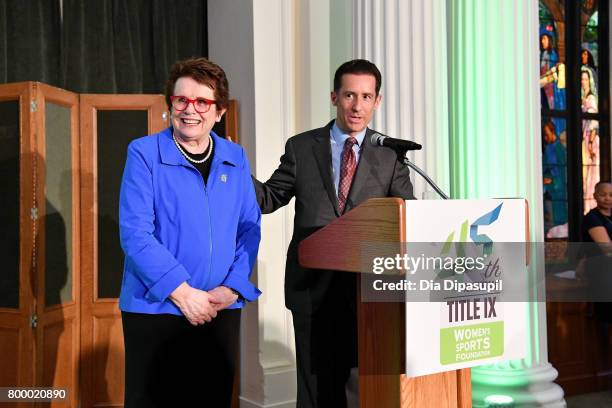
x,y
190,231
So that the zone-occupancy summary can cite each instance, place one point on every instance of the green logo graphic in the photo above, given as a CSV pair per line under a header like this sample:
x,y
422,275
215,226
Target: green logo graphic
x,y
479,239
468,343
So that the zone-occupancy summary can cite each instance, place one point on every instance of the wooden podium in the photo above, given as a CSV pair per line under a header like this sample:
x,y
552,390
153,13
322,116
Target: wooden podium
x,y
381,331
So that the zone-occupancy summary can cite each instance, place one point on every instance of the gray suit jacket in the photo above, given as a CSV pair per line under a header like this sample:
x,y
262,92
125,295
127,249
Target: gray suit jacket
x,y
305,172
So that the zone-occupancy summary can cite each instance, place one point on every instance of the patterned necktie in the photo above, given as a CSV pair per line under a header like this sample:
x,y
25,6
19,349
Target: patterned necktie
x,y
348,165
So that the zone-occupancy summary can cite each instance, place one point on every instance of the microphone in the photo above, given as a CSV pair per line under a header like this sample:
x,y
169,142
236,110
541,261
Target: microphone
x,y
399,145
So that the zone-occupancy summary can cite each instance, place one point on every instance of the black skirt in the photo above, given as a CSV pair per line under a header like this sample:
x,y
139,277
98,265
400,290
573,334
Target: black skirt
x,y
169,362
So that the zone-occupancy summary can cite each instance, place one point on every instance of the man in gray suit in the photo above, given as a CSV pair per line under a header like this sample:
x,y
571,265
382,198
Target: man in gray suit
x,y
329,171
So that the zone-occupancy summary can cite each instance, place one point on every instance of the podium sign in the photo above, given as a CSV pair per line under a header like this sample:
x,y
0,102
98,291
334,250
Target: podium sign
x,y
475,324
405,333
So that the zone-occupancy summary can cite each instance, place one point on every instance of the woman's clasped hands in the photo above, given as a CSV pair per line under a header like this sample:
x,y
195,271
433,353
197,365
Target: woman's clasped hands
x,y
200,306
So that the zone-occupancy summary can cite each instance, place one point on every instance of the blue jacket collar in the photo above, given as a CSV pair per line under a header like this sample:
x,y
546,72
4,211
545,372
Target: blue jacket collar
x,y
169,153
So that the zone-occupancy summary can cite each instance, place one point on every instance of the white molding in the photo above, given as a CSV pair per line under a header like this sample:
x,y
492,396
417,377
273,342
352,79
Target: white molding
x,y
245,403
277,386
279,383
312,64
407,39
254,42
273,37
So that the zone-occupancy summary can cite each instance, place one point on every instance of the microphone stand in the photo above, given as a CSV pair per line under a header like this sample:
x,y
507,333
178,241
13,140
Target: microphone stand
x,y
401,157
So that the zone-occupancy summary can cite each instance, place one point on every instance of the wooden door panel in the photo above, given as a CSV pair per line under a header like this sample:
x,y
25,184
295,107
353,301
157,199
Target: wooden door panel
x,y
108,360
57,338
57,362
10,340
102,357
58,273
18,158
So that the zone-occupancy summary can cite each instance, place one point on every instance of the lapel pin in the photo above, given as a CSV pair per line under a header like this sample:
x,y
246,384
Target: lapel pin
x,y
224,178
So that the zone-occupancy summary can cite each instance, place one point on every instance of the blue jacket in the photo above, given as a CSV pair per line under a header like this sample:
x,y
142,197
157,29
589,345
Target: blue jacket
x,y
174,228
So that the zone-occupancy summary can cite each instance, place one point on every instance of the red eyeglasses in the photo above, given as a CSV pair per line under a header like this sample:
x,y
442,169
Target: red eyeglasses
x,y
201,105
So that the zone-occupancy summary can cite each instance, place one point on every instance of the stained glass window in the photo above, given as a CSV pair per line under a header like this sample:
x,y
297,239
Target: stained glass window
x,y
554,169
589,97
573,151
552,55
553,99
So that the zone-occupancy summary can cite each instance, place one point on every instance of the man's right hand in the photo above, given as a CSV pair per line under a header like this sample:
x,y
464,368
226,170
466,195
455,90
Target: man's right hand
x,y
195,304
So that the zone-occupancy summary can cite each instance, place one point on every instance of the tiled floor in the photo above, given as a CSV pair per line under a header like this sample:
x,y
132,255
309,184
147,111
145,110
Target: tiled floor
x,y
595,400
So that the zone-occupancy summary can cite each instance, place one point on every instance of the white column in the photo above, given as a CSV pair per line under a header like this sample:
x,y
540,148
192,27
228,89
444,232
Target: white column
x,y
253,45
276,54
406,39
312,63
495,133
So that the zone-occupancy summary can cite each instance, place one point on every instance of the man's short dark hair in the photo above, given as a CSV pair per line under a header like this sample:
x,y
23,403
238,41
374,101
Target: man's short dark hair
x,y
357,66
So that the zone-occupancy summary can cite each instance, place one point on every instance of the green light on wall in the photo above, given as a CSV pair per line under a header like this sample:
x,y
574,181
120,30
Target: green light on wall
x,y
495,148
493,130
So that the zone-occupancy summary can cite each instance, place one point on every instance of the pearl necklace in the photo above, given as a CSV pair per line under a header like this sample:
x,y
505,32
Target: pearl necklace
x,y
210,149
